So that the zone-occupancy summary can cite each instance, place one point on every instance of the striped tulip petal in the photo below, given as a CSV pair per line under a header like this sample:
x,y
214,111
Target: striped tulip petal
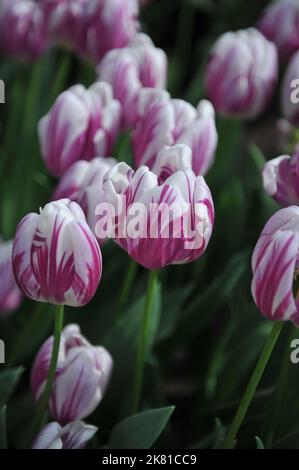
x,y
274,263
82,375
56,258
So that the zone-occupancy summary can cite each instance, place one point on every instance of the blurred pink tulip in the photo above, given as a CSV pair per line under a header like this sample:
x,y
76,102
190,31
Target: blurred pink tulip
x,y
72,436
275,265
83,183
23,31
10,294
165,121
162,236
132,68
279,24
106,25
82,375
81,124
64,18
56,258
242,73
281,179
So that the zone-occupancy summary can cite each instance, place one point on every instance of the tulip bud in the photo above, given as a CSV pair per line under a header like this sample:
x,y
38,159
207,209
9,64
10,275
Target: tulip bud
x,y
275,266
165,121
279,24
72,436
160,225
56,258
242,73
82,183
23,31
290,91
107,25
281,179
81,124
130,69
10,294
82,375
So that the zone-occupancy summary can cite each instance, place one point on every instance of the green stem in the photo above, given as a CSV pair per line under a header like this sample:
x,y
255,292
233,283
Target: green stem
x,y
126,286
43,403
143,340
229,442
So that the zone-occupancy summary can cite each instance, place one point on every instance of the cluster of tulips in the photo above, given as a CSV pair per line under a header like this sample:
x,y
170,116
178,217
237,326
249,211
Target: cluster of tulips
x,y
56,253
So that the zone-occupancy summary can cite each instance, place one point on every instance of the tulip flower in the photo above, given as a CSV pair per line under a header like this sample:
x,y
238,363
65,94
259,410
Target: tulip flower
x,y
281,179
149,222
72,436
81,124
274,266
290,91
107,25
242,73
279,24
158,244
82,374
10,294
63,19
130,69
56,257
23,31
82,183
165,121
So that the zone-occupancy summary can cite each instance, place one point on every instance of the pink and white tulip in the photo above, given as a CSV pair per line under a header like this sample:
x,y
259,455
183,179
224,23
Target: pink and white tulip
x,y
56,258
82,123
290,91
72,436
279,24
132,68
151,225
281,179
82,376
10,294
242,73
23,31
82,183
275,266
165,121
107,25
64,18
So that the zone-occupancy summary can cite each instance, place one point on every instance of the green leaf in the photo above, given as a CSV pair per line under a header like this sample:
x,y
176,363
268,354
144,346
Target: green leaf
x,y
8,381
141,430
198,313
3,441
259,443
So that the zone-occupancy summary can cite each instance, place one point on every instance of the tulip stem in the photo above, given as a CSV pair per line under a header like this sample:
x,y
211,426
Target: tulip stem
x,y
126,286
229,442
144,340
43,403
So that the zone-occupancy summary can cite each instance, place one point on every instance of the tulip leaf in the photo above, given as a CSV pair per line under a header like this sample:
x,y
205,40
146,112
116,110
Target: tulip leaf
x,y
141,430
3,443
8,381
